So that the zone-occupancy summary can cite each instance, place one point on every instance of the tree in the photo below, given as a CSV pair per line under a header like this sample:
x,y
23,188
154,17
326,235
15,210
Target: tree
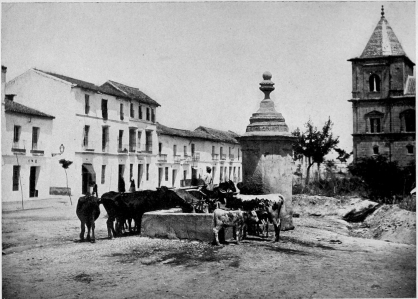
x,y
314,144
65,165
342,155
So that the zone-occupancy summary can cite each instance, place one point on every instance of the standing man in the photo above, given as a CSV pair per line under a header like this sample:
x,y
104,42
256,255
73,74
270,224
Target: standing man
x,y
207,179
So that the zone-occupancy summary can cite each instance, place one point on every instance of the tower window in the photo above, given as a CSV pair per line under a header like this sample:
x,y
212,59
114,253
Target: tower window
x,y
410,149
407,120
375,125
375,150
374,83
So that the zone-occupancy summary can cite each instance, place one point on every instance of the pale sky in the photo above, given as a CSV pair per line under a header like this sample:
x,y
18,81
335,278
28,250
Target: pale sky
x,y
203,61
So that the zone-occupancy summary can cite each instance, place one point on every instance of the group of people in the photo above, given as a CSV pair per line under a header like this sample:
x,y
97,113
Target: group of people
x,y
121,185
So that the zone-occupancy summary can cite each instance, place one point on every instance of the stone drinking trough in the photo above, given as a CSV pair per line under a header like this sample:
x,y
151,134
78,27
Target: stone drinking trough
x,y
173,224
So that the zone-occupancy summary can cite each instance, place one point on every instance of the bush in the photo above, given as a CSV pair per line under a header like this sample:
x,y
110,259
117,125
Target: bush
x,y
383,180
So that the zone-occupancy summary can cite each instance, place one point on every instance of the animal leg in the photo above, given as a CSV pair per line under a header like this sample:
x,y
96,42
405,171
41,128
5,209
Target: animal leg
x,y
277,226
83,229
215,232
88,231
110,228
93,238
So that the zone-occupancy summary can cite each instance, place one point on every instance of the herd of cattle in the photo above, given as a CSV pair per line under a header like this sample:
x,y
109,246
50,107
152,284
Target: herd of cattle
x,y
228,210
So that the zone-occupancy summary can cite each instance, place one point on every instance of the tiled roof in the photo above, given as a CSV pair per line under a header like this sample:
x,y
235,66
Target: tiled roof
x,y
13,107
200,132
132,92
383,42
227,136
110,88
410,86
82,84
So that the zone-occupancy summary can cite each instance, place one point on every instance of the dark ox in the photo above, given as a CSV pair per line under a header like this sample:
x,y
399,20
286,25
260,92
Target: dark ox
x,y
124,206
222,194
238,220
88,211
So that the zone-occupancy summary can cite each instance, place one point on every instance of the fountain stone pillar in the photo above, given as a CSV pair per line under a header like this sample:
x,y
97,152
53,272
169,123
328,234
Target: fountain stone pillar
x,y
267,153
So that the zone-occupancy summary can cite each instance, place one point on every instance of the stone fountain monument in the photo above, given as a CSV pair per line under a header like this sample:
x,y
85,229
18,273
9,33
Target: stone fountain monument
x,y
267,153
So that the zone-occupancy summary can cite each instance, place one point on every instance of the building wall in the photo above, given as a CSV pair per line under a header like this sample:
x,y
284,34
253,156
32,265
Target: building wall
x,y
231,166
58,98
388,104
27,159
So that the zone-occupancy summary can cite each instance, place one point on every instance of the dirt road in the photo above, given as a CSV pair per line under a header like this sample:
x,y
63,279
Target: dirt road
x,y
42,259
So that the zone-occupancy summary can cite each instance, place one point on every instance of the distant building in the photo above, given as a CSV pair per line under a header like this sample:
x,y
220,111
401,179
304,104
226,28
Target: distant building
x,y
383,98
183,156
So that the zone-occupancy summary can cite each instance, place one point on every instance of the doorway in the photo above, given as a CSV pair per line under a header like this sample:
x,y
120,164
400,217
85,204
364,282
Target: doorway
x,y
140,173
160,176
88,177
174,177
33,178
121,180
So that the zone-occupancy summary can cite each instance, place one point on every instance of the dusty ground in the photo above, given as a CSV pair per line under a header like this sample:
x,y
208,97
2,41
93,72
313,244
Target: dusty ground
x,y
41,259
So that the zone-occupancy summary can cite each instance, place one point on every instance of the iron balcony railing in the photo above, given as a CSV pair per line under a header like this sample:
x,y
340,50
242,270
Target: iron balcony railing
x,y
148,148
215,157
132,148
223,156
231,157
196,157
177,158
19,146
162,158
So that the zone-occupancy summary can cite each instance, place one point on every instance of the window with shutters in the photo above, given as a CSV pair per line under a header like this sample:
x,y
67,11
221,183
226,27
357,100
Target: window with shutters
x,y
35,137
86,137
16,177
104,109
148,114
105,139
86,104
121,115
153,115
132,110
140,112
103,180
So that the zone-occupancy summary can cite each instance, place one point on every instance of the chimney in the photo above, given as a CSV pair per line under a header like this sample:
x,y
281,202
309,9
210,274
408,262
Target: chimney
x,y
10,96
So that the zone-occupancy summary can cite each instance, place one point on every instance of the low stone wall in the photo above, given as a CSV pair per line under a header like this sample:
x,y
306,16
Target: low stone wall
x,y
175,225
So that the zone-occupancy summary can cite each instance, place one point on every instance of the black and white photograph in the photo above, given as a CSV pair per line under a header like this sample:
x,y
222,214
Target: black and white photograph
x,y
208,149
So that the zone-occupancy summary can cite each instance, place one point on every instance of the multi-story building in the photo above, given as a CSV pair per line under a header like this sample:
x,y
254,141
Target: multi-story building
x,y
107,131
26,151
383,98
183,156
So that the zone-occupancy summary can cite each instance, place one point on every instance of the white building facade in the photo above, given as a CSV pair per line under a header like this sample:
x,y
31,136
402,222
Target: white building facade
x,y
107,131
183,156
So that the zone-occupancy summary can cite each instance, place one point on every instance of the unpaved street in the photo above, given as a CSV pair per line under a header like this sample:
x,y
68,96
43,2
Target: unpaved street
x,y
42,259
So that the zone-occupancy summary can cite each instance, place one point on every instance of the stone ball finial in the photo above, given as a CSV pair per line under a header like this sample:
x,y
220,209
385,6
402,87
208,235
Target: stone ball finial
x,y
383,12
267,75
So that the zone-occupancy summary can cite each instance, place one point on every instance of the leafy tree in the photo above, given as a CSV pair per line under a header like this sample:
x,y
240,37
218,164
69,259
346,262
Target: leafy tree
x,y
65,165
314,144
342,155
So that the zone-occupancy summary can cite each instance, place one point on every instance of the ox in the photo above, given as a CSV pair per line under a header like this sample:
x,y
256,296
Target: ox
x,y
238,220
125,206
88,211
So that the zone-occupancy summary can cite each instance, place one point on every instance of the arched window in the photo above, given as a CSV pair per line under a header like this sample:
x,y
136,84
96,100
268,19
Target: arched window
x,y
374,83
407,120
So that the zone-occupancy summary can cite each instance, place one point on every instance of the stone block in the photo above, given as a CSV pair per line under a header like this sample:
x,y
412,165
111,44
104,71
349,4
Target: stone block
x,y
162,224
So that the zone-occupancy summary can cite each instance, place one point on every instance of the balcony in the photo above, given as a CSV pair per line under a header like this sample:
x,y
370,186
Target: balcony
x,y
177,159
231,157
162,158
132,148
196,157
215,157
19,147
148,148
123,148
223,156
187,159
